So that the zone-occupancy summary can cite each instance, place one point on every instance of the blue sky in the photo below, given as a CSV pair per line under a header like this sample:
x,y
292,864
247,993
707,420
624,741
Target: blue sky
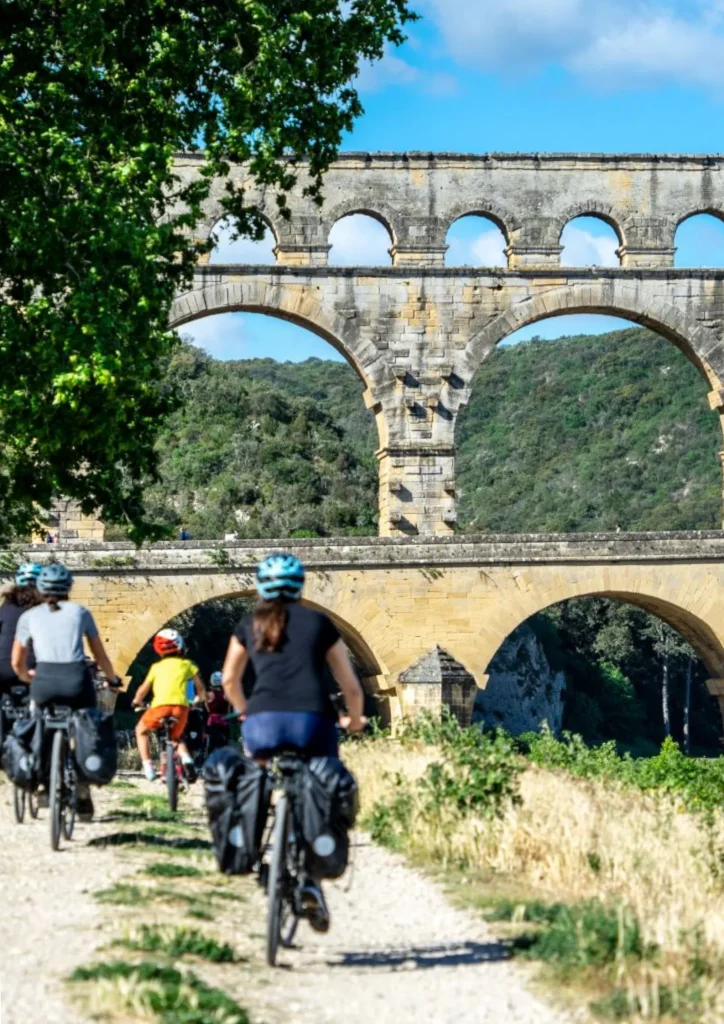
x,y
522,75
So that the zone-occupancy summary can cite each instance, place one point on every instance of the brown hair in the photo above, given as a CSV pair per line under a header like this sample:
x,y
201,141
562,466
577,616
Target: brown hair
x,y
270,618
22,597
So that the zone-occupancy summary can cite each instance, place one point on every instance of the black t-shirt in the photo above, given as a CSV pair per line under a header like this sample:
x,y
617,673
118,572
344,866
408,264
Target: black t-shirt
x,y
9,615
294,678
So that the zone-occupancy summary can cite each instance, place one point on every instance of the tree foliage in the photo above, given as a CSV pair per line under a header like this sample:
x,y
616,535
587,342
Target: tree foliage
x,y
96,97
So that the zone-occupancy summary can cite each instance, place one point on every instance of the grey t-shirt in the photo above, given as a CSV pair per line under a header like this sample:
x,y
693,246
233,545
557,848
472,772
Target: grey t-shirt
x,y
57,635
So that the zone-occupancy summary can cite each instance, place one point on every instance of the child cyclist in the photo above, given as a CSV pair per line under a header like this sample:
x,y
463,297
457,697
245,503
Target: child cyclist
x,y
168,680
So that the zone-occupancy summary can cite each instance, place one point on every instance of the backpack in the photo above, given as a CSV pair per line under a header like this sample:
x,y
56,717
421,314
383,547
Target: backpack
x,y
22,752
238,794
94,745
328,809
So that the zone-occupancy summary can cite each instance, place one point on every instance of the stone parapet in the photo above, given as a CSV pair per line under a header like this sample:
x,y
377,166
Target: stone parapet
x,y
117,558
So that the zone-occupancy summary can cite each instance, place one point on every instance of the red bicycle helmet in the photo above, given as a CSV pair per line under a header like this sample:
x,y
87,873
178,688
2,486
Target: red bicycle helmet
x,y
168,641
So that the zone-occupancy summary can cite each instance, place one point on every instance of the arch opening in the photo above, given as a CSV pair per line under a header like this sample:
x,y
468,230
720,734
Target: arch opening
x,y
587,431
590,241
207,628
611,666
360,239
261,446
228,249
476,240
699,241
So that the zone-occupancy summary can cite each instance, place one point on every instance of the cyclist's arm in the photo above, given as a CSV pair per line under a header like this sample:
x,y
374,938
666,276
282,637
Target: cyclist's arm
x,y
141,693
234,664
18,660
199,687
101,658
349,684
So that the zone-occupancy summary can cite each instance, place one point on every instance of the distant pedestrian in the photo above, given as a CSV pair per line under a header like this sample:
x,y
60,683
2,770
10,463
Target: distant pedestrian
x,y
183,533
49,539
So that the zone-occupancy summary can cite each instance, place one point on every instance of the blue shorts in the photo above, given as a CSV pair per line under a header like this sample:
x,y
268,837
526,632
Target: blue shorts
x,y
310,733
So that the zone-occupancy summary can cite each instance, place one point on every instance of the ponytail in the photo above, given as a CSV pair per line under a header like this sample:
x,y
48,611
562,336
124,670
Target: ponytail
x,y
270,618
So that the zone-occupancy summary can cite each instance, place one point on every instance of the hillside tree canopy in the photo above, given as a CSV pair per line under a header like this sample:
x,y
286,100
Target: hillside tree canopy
x,y
96,97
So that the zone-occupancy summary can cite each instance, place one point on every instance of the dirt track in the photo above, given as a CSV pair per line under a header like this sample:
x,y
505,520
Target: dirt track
x,y
397,951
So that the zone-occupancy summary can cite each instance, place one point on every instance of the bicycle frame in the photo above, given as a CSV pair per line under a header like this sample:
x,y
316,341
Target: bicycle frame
x,y
285,870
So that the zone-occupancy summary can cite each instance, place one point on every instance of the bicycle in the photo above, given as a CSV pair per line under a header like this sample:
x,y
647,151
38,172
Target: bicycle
x,y
284,873
13,707
172,767
63,786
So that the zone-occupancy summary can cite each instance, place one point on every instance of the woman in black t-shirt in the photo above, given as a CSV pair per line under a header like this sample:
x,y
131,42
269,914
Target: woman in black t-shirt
x,y
17,598
289,647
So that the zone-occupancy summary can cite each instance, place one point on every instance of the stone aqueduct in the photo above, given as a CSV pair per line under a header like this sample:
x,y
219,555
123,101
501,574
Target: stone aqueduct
x,y
416,332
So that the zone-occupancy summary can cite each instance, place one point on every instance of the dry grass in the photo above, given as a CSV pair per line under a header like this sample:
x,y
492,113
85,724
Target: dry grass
x,y
578,840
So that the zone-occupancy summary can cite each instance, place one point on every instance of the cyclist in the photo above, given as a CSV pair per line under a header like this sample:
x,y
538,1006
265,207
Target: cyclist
x,y
217,725
289,647
20,596
167,679
56,627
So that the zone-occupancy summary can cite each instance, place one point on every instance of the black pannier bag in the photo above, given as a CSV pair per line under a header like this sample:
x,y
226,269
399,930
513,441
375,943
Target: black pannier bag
x,y
238,794
93,736
328,809
21,753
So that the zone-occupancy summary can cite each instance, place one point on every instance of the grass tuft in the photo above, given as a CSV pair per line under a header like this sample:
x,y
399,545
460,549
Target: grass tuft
x,y
162,992
178,942
168,869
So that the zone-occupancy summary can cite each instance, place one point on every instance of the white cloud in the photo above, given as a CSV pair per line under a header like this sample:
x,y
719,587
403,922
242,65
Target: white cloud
x,y
582,248
483,250
608,41
393,70
359,241
243,250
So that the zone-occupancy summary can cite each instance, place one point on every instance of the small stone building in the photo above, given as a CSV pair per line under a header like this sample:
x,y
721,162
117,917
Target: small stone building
x,y
435,680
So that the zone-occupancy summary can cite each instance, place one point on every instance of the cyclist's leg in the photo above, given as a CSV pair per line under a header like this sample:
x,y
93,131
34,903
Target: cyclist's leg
x,y
149,722
181,714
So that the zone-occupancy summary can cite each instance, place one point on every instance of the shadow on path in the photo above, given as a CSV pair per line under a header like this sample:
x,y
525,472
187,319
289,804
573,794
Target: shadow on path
x,y
453,955
146,839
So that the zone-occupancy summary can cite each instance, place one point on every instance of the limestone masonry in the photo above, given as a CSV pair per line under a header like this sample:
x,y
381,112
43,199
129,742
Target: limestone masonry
x,y
425,611
397,600
416,331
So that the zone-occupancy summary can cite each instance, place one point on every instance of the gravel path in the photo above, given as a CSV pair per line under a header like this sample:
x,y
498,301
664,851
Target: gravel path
x,y
49,922
397,952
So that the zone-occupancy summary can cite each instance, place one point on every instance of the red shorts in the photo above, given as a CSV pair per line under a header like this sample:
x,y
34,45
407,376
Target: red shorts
x,y
153,719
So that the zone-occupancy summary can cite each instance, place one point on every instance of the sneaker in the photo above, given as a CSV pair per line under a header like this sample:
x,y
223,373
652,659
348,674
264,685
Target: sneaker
x,y
313,906
149,771
190,771
84,804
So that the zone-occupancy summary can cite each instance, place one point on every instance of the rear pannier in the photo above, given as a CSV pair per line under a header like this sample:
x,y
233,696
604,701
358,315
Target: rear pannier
x,y
93,737
238,794
328,810
21,753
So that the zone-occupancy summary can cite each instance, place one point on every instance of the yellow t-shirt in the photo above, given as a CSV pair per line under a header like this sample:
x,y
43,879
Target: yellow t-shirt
x,y
168,679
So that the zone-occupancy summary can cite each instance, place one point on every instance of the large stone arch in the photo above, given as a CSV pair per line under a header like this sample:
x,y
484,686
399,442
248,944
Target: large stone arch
x,y
613,295
299,305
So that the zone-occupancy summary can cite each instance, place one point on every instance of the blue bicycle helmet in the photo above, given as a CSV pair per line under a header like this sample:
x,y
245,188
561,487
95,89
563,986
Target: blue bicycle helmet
x,y
54,580
27,574
280,575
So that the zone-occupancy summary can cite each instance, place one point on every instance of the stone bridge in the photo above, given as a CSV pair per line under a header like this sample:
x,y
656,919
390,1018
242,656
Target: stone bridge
x,y
416,331
396,600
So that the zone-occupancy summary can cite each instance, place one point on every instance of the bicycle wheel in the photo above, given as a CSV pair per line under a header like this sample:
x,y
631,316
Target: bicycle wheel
x,y
277,872
19,804
171,777
55,793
